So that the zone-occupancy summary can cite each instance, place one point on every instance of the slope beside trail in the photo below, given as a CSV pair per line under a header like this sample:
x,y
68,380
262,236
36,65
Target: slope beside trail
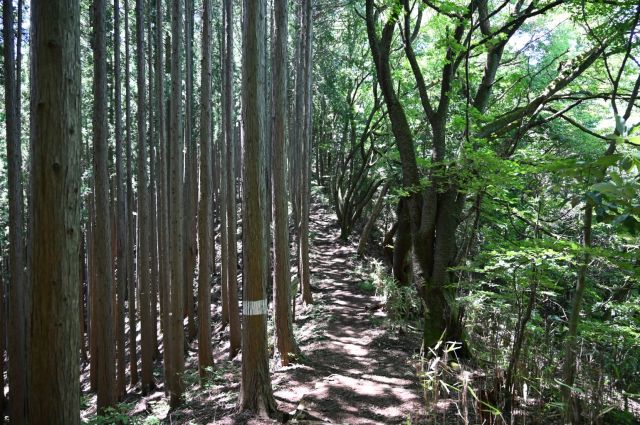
x,y
354,370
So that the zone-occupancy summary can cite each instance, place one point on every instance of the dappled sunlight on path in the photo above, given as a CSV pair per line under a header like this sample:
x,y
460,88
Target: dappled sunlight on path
x,y
354,371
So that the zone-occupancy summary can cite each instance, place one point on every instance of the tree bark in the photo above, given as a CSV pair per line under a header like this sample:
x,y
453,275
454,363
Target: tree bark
x,y
190,178
102,235
377,209
143,251
163,199
224,196
121,223
54,381
387,244
206,253
305,163
175,343
267,150
91,302
114,256
295,132
282,275
131,222
17,347
230,143
81,291
572,412
153,191
256,394
222,170
3,337
402,246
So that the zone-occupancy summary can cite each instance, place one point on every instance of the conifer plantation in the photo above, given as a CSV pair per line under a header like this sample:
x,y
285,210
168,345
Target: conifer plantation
x,y
320,212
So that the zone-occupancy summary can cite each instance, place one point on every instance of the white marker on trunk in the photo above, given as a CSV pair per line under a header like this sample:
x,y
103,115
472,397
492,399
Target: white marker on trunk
x,y
254,308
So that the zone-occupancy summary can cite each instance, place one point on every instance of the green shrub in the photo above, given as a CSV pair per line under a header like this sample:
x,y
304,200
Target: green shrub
x,y
115,415
367,287
619,417
402,303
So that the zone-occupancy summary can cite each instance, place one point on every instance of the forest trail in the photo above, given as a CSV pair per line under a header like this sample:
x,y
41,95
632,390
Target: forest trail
x,y
354,371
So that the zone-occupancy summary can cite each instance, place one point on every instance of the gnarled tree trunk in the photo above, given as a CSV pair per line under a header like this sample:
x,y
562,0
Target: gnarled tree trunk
x,y
375,213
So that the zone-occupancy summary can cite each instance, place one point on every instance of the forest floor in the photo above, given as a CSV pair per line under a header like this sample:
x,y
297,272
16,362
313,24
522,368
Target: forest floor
x,y
355,371
352,370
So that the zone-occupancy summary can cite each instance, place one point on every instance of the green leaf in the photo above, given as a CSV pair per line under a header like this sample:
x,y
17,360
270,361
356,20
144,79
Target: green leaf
x,y
606,188
619,219
627,162
634,140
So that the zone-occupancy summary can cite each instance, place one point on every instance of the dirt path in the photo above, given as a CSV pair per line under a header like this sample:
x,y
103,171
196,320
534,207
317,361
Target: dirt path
x,y
354,371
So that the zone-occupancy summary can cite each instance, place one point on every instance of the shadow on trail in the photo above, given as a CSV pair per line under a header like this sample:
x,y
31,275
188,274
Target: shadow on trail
x,y
354,371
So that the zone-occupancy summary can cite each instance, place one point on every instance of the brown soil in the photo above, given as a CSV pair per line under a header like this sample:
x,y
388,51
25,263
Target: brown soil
x,y
355,371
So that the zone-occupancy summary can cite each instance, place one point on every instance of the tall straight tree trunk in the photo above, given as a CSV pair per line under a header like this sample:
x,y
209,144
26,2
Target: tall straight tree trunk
x,y
190,177
176,336
131,276
54,381
91,303
3,337
26,279
282,276
163,206
102,236
256,393
153,200
216,117
153,242
144,278
572,413
267,149
296,133
17,347
224,196
305,163
131,293
222,172
230,146
18,104
113,217
121,224
206,253
81,291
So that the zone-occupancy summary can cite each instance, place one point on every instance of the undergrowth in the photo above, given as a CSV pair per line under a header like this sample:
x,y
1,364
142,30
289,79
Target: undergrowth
x,y
401,303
